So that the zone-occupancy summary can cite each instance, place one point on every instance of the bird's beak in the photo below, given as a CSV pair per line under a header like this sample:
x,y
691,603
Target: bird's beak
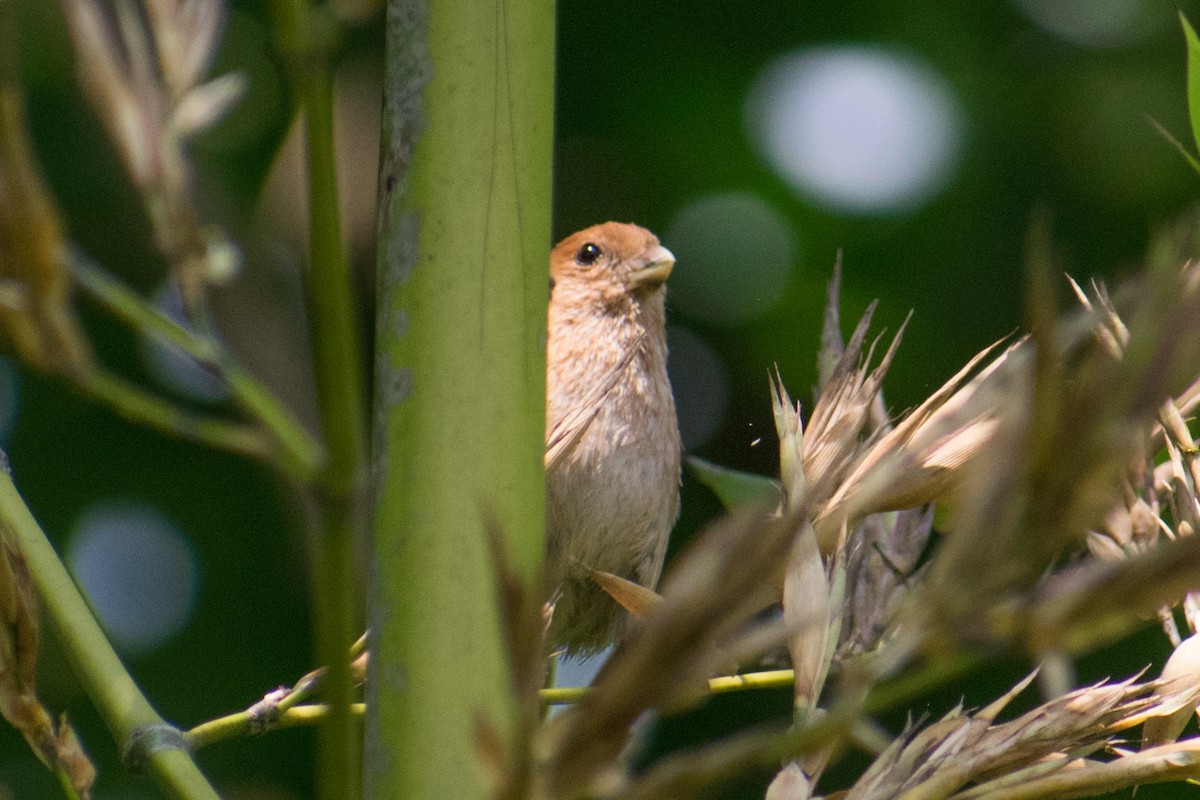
x,y
658,267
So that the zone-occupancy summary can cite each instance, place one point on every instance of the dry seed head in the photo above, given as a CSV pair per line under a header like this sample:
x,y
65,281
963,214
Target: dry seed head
x,y
186,36
959,749
881,567
143,80
790,429
843,422
924,456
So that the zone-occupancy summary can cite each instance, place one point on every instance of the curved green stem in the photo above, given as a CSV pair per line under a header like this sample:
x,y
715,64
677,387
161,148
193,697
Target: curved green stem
x,y
138,405
109,686
289,445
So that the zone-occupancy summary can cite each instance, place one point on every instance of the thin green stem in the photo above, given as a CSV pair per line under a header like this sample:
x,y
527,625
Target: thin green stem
x,y
287,713
244,723
111,689
306,37
138,405
297,453
64,781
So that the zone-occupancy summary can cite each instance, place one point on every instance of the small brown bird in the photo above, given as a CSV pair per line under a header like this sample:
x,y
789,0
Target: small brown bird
x,y
612,463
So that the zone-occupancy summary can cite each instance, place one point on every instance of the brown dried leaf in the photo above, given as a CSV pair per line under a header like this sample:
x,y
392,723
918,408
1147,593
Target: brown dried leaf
x,y
1100,600
18,643
35,313
638,600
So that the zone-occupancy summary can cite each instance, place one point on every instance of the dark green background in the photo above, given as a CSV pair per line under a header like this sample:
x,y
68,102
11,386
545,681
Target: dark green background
x,y
650,117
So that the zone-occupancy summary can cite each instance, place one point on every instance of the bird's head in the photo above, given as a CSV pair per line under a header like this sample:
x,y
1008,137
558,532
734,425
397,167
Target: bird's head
x,y
611,260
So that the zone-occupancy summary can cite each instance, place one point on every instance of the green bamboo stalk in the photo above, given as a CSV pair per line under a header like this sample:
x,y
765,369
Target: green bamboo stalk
x,y
144,737
460,371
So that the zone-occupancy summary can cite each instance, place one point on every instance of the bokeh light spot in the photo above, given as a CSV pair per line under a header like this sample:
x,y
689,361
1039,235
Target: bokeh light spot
x,y
736,254
858,129
138,569
1094,23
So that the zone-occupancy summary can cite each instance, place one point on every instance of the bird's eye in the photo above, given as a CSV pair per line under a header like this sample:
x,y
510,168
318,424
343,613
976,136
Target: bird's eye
x,y
587,255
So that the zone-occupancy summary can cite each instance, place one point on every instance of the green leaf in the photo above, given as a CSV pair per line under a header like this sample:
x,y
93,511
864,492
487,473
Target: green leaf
x,y
1193,75
1183,151
733,488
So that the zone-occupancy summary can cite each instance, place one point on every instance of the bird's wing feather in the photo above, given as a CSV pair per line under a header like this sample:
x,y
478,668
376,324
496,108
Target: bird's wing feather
x,y
565,432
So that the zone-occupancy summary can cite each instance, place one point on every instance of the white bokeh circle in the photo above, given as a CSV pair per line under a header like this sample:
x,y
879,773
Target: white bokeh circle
x,y
858,129
139,571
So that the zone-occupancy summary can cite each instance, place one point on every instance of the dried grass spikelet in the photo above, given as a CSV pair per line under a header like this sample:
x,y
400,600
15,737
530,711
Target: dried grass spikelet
x,y
1053,476
1130,526
35,311
812,586
960,749
1180,474
144,82
713,590
55,745
923,457
879,552
840,426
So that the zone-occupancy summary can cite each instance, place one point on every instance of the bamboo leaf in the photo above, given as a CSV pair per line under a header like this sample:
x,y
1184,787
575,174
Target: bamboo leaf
x,y
1193,75
734,488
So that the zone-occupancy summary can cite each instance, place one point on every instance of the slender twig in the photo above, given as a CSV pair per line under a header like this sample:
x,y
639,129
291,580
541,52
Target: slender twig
x,y
287,711
122,706
244,723
298,453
